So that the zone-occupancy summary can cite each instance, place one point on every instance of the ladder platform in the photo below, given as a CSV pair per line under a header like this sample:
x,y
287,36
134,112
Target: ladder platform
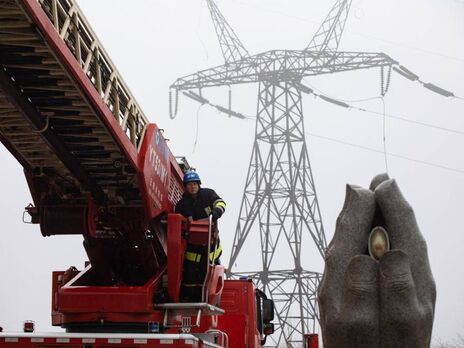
x,y
185,311
191,307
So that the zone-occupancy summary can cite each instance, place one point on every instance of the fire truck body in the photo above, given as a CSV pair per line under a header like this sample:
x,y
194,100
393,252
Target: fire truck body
x,y
238,322
73,340
96,167
240,325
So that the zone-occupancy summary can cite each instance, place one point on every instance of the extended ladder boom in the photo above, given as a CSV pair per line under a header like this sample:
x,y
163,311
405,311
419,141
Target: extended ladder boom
x,y
94,164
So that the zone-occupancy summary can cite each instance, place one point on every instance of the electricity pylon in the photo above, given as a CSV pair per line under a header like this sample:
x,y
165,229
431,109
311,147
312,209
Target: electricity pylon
x,y
279,200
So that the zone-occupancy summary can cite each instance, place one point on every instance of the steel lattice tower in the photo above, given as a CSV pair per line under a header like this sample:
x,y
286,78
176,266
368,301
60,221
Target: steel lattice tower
x,y
279,200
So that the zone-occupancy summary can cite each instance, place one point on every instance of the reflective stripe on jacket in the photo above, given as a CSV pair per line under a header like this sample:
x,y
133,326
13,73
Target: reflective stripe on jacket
x,y
201,206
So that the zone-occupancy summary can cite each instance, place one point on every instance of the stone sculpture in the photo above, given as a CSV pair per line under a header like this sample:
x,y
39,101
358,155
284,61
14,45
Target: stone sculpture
x,y
384,302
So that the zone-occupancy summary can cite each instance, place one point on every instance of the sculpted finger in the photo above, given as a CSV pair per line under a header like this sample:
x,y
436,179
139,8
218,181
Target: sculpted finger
x,y
350,239
358,324
377,180
353,224
399,217
404,321
351,234
404,234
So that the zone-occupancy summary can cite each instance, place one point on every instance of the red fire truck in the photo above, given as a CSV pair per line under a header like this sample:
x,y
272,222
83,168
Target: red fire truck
x,y
96,167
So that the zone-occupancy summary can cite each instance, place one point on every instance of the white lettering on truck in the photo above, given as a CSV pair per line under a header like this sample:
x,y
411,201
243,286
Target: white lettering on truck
x,y
158,170
157,164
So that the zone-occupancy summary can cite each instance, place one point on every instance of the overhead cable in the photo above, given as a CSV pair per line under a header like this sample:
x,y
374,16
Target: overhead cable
x,y
370,37
383,152
342,102
404,119
388,153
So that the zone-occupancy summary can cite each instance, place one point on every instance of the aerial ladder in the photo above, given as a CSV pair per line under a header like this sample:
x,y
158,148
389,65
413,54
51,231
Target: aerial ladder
x,y
96,167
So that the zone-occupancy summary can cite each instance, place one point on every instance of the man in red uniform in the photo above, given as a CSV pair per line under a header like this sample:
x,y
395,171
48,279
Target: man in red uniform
x,y
198,203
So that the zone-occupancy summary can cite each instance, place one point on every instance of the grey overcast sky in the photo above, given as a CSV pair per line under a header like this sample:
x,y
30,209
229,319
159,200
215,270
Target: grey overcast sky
x,y
152,42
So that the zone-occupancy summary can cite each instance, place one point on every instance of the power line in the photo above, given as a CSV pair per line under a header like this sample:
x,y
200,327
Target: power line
x,y
341,102
395,117
383,152
345,100
399,118
393,43
411,159
370,37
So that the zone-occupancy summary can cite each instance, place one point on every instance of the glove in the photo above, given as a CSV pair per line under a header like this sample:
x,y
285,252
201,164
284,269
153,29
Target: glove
x,y
216,214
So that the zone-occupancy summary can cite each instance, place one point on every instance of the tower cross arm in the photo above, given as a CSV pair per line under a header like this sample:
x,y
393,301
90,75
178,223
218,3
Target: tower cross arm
x,y
282,65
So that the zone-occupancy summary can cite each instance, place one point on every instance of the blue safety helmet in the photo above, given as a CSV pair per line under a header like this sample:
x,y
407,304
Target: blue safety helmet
x,y
191,177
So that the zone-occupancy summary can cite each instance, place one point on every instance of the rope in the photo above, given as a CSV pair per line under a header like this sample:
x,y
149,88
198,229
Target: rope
x,y
384,86
384,135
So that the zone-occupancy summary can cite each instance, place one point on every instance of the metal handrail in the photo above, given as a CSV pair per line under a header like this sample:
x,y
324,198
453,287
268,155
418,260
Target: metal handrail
x,y
204,288
222,334
74,29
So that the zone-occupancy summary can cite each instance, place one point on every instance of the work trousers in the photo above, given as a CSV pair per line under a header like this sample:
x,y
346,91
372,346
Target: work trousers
x,y
194,272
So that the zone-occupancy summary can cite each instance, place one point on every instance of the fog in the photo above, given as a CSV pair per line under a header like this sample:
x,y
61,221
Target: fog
x,y
154,42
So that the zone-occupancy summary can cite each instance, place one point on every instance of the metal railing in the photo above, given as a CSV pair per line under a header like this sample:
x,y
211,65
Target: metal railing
x,y
76,32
